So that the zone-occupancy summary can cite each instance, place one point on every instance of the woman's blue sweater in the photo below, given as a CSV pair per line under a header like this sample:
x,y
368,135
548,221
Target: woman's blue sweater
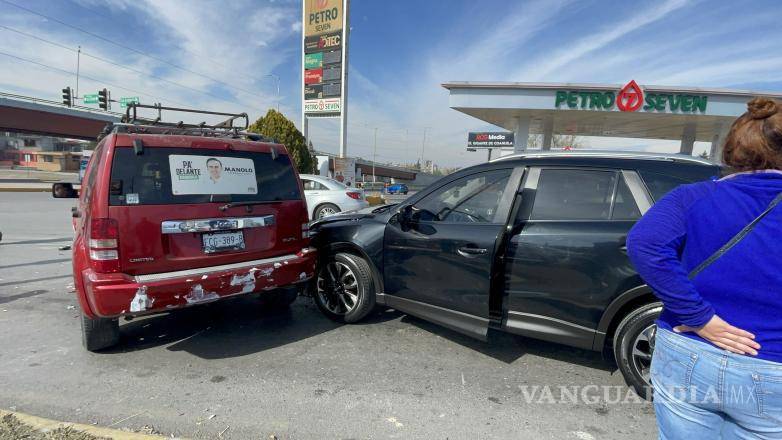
x,y
744,286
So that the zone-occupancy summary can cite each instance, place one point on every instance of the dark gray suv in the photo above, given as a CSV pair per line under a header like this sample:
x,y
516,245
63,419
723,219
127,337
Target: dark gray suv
x,y
532,244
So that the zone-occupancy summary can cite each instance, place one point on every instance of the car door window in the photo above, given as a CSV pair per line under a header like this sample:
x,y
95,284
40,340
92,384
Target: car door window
x,y
564,194
660,184
311,185
471,199
625,207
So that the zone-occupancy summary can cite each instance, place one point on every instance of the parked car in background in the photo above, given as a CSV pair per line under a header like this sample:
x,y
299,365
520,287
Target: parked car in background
x,y
397,188
373,186
175,216
531,244
327,196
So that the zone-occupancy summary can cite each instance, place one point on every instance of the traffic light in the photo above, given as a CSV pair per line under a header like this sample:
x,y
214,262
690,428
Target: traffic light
x,y
103,99
67,98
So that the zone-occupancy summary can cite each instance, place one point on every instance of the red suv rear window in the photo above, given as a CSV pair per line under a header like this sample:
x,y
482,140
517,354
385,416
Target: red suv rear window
x,y
164,176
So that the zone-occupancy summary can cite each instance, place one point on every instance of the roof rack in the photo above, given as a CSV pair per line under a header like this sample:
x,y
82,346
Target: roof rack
x,y
227,124
132,123
606,155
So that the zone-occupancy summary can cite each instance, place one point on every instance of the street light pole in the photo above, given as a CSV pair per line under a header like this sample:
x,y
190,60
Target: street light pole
x,y
78,62
374,158
277,82
423,147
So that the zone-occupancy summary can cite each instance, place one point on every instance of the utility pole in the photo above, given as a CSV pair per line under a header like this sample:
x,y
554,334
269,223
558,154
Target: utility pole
x,y
374,158
407,135
423,147
78,62
277,81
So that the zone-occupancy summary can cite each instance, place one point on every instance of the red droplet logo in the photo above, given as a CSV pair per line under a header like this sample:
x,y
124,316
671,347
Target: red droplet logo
x,y
321,4
630,97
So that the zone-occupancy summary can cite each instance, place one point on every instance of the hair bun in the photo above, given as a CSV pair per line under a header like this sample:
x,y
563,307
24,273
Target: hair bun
x,y
762,108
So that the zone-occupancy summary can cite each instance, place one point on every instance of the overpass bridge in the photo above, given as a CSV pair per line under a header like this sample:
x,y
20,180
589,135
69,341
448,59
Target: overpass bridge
x,y
23,114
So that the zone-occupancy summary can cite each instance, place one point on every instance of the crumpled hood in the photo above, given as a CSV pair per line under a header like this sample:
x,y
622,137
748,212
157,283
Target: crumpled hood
x,y
342,217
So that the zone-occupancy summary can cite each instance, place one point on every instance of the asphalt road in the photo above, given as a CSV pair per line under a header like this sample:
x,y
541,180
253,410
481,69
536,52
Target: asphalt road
x,y
233,368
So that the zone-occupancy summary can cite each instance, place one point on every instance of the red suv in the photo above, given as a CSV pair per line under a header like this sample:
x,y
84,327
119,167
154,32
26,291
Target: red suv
x,y
174,216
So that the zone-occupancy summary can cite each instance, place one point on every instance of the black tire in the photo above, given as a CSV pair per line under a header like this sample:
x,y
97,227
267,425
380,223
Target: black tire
x,y
637,329
99,333
334,297
325,207
279,299
405,193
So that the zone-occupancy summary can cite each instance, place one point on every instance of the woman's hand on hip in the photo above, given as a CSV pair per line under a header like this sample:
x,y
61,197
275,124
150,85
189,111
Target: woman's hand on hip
x,y
724,336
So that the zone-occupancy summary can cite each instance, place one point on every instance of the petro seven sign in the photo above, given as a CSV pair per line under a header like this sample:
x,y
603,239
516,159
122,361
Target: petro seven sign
x,y
630,98
324,57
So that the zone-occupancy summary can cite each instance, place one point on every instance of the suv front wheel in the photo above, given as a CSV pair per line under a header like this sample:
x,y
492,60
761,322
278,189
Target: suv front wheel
x,y
345,288
634,345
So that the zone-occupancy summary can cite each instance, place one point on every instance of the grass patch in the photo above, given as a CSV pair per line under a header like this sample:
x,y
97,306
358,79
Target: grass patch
x,y
13,429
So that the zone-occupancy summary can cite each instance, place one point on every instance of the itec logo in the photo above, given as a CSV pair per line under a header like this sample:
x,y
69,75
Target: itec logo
x,y
630,98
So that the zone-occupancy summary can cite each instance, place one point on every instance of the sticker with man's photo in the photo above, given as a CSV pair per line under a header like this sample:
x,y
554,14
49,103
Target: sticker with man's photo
x,y
212,175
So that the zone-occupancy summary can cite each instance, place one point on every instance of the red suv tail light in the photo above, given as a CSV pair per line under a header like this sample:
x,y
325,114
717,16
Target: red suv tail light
x,y
103,243
354,195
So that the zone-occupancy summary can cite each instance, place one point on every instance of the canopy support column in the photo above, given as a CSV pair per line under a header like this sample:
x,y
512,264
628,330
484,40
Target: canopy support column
x,y
718,143
521,133
688,140
548,133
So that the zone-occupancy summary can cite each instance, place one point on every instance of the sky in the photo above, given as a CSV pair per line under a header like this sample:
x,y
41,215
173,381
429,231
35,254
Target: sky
x,y
230,56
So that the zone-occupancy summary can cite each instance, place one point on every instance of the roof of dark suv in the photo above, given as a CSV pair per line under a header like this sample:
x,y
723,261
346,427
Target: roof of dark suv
x,y
671,164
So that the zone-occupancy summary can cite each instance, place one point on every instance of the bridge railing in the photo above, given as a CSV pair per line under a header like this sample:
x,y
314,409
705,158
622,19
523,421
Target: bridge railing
x,y
55,103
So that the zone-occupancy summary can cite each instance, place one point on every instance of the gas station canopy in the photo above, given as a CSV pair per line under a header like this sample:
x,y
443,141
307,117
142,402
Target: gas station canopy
x,y
630,111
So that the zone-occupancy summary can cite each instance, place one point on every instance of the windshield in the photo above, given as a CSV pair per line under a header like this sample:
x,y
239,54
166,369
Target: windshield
x,y
163,176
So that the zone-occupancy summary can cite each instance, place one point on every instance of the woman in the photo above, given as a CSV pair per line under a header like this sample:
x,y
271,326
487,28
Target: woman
x,y
717,364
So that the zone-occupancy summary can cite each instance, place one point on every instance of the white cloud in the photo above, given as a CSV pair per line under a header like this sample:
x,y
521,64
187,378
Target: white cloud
x,y
224,62
546,64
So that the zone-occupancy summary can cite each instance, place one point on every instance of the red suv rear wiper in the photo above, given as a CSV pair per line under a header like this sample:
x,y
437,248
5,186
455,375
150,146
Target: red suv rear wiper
x,y
235,204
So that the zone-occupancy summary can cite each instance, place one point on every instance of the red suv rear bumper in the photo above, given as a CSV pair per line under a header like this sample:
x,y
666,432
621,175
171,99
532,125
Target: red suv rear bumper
x,y
117,294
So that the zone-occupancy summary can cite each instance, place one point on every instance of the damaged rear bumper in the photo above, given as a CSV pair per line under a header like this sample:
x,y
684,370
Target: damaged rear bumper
x,y
113,295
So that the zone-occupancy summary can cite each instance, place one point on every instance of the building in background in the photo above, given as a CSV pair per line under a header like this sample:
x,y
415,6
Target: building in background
x,y
44,153
383,173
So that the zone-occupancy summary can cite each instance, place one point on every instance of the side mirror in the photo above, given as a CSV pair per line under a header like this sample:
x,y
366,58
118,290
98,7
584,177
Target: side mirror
x,y
64,191
405,215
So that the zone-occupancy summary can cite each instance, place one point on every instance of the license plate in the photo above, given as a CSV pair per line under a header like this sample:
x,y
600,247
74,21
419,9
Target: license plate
x,y
223,241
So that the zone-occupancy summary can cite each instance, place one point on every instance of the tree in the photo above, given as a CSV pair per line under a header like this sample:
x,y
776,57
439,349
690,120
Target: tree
x,y
276,126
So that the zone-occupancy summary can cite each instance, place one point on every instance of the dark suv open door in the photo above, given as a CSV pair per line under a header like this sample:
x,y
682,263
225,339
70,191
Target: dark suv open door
x,y
439,251
566,257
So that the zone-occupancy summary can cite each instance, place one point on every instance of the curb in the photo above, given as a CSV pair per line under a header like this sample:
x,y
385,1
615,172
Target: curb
x,y
41,424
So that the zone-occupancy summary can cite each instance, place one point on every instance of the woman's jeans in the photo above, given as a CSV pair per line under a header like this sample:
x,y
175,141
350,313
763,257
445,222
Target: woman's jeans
x,y
703,392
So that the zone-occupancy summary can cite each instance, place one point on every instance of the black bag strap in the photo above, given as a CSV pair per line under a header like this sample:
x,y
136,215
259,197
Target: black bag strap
x,y
736,238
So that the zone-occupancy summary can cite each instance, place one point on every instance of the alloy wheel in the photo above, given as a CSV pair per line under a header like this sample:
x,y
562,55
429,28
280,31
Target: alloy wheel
x,y
643,347
326,211
338,288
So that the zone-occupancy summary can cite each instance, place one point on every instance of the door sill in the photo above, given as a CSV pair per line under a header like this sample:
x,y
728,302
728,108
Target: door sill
x,y
549,329
464,323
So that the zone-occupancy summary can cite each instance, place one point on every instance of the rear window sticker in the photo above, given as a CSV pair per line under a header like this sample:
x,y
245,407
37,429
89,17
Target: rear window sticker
x,y
192,174
131,199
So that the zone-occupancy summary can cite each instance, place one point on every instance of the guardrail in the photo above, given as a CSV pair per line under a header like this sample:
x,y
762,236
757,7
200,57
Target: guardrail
x,y
56,103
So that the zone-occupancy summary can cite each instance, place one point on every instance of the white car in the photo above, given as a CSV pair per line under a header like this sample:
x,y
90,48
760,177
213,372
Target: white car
x,y
327,196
